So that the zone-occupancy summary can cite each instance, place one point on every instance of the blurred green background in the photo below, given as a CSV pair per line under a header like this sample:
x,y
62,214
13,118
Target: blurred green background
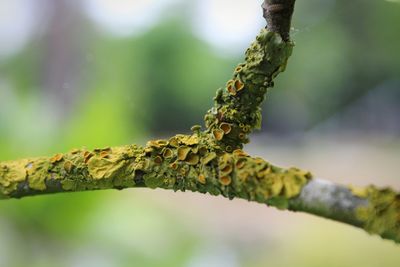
x,y
99,73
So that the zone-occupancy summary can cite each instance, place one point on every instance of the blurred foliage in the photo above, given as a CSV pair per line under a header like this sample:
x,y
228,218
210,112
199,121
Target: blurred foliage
x,y
180,74
125,90
344,51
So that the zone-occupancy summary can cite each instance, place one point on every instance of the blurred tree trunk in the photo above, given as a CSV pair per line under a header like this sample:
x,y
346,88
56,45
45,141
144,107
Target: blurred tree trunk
x,y
62,61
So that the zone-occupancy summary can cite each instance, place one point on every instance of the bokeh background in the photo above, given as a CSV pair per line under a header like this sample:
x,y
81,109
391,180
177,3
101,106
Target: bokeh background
x,y
96,73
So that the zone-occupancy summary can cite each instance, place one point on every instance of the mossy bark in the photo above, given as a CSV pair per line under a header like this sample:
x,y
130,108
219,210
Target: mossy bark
x,y
375,210
237,106
184,162
211,161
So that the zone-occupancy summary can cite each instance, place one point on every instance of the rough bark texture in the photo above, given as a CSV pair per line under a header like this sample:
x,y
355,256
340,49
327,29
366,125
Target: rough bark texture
x,y
278,14
183,162
211,161
375,210
237,107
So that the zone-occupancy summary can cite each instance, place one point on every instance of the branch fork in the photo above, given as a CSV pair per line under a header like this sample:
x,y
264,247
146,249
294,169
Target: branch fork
x,y
212,161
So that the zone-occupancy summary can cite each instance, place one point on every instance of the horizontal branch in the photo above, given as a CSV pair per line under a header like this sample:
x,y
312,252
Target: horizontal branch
x,y
375,210
189,162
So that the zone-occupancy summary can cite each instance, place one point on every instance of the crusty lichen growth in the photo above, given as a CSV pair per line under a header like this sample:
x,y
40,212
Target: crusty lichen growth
x,y
196,164
201,162
382,214
236,111
74,171
209,161
183,162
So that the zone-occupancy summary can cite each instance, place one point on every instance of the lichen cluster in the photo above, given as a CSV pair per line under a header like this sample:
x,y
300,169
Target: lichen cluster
x,y
236,111
189,162
77,170
208,161
183,162
382,214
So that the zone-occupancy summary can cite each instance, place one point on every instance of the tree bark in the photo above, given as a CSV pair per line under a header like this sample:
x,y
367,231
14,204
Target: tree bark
x,y
211,161
278,14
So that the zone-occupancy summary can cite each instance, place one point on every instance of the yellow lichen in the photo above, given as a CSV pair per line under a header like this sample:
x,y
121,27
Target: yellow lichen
x,y
274,184
225,180
75,151
183,171
228,149
208,158
239,153
195,128
192,159
238,69
104,154
142,165
201,178
87,155
68,166
157,143
239,85
158,160
174,142
168,153
242,136
382,214
226,127
200,155
246,129
243,175
195,149
174,165
226,170
218,134
230,82
202,150
183,152
56,158
231,89
190,140
241,163
148,150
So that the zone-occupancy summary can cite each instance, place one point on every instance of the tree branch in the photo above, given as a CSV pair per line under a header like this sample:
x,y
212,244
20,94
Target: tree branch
x,y
212,161
237,107
375,210
278,14
189,162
